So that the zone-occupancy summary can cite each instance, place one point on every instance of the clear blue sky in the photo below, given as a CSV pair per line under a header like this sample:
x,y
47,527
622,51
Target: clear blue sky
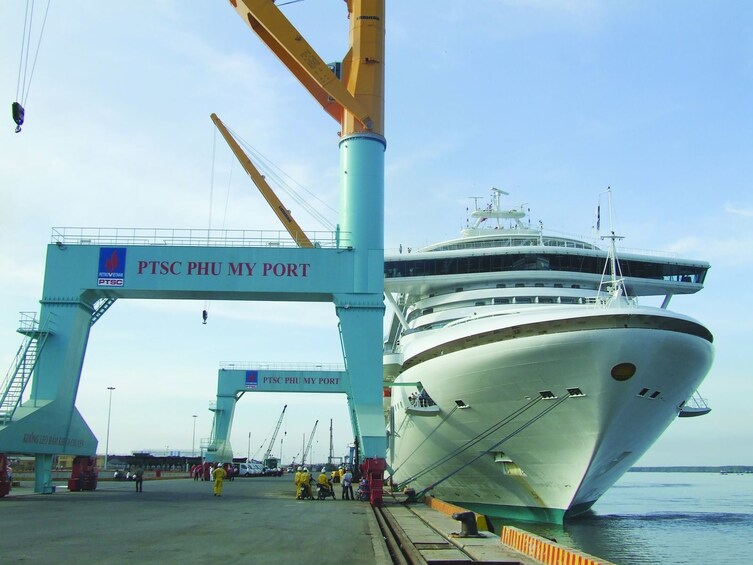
x,y
551,100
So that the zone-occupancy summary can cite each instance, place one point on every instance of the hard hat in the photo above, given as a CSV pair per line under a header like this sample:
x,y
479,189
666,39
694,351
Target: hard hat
x,y
300,468
305,469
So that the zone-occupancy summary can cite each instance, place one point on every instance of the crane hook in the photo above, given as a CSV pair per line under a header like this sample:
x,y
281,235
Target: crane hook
x,y
18,115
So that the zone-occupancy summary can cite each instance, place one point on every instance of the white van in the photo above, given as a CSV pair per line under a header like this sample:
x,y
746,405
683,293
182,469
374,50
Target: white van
x,y
250,469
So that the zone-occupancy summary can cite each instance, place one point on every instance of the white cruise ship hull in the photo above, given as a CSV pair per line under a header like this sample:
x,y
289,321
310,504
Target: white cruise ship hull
x,y
530,422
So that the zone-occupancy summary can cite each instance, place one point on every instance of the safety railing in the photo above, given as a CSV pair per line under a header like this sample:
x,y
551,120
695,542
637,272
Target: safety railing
x,y
191,237
282,366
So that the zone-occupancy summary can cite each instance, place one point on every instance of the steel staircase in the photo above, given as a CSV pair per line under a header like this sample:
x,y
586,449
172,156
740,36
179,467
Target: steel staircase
x,y
21,369
100,308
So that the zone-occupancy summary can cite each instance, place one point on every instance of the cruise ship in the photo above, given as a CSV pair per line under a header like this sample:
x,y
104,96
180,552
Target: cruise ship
x,y
525,377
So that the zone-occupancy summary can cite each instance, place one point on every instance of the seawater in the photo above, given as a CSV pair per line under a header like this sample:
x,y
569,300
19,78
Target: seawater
x,y
664,519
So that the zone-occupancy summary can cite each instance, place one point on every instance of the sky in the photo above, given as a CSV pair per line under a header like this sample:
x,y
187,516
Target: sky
x,y
552,101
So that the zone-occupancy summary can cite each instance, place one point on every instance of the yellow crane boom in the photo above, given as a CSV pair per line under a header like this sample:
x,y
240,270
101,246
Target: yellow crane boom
x,y
295,231
352,101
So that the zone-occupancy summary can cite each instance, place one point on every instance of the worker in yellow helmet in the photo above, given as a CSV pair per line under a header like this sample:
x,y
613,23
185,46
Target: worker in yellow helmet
x,y
325,485
306,483
219,477
297,481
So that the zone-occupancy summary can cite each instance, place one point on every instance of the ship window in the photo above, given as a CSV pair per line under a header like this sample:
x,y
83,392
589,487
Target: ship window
x,y
501,285
575,392
523,300
557,285
480,303
569,299
655,394
574,286
519,285
501,301
547,300
539,284
643,392
547,395
427,311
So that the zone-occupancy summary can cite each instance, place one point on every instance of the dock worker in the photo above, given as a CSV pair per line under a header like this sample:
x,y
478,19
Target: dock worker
x,y
305,483
347,483
139,474
297,481
219,477
323,480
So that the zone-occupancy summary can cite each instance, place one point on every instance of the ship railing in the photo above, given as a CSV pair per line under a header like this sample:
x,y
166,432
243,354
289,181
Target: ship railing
x,y
190,237
606,300
550,239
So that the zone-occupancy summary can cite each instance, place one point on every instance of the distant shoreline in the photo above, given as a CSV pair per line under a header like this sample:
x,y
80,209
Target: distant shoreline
x,y
730,469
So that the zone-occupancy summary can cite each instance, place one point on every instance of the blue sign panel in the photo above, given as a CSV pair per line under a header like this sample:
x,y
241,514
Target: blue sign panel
x,y
252,379
112,263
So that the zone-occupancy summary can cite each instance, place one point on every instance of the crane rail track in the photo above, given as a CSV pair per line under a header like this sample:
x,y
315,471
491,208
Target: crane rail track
x,y
404,551
401,549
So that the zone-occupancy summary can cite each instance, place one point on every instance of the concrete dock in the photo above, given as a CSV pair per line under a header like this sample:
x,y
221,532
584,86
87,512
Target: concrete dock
x,y
256,520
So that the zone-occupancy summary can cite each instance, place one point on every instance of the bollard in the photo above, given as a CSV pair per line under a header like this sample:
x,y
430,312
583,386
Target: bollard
x,y
468,522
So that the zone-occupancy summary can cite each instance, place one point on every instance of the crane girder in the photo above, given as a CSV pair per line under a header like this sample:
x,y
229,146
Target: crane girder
x,y
295,230
269,23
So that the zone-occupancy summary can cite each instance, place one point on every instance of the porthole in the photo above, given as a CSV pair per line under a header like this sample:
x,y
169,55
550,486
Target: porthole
x,y
623,371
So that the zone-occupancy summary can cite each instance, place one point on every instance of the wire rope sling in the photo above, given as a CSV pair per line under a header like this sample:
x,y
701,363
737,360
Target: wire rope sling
x,y
25,74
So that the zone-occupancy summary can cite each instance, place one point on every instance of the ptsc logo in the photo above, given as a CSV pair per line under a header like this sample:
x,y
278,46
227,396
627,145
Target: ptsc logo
x,y
252,379
112,261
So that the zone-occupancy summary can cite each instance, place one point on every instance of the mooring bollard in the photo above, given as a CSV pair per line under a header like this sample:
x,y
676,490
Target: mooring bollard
x,y
468,521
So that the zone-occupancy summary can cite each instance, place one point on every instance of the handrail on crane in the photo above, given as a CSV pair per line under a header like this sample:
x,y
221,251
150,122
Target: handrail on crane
x,y
295,231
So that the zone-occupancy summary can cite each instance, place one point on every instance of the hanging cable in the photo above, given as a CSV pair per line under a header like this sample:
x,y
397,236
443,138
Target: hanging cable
x,y
23,86
205,312
282,179
227,196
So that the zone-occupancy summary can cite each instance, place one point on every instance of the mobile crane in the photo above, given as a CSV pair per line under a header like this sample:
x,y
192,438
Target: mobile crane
x,y
308,445
271,464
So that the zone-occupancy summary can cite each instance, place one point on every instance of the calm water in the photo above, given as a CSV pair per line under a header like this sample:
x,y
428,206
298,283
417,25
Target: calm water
x,y
666,518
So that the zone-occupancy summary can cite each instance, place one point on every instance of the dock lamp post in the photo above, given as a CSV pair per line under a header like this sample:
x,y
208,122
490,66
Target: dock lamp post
x,y
109,411
248,457
193,440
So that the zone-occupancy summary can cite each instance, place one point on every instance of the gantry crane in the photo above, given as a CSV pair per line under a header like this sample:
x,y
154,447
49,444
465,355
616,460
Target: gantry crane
x,y
271,464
